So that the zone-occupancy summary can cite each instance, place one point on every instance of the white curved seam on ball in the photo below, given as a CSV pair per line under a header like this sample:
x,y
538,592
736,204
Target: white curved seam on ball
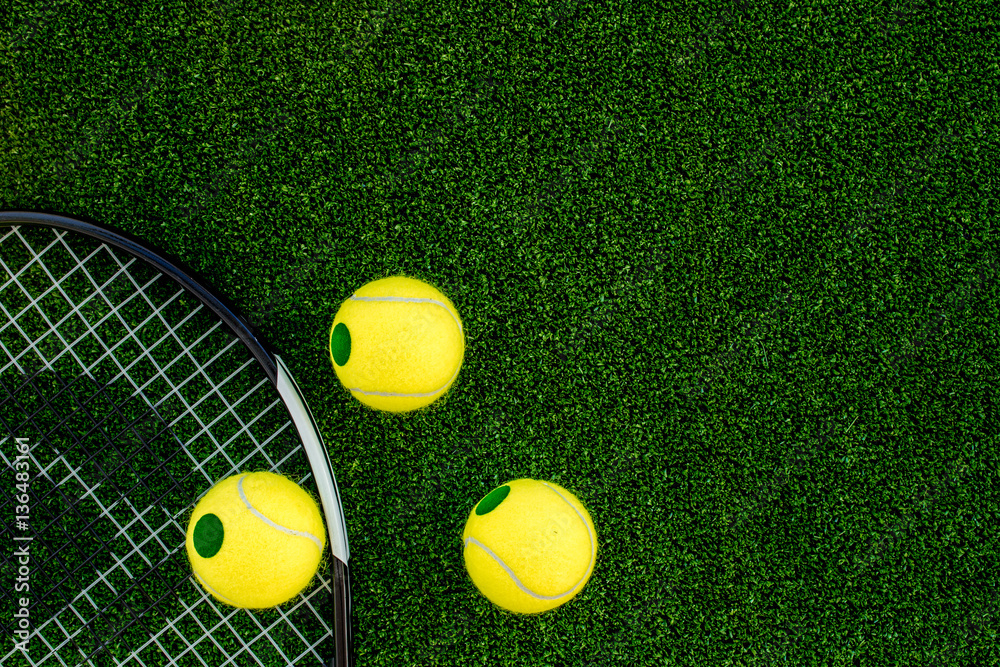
x,y
390,393
510,573
213,591
586,525
256,513
408,299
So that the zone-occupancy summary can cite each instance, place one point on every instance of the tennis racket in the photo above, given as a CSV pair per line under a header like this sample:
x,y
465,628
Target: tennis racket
x,y
127,389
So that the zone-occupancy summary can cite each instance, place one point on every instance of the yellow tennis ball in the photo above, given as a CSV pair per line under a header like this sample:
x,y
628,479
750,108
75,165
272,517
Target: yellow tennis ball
x,y
397,344
530,546
255,540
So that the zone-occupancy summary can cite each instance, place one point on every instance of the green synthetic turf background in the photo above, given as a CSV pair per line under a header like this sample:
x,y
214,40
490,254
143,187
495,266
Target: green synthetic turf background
x,y
727,273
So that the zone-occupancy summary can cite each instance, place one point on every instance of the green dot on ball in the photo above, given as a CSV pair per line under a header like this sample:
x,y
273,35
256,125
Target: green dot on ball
x,y
340,344
208,534
490,502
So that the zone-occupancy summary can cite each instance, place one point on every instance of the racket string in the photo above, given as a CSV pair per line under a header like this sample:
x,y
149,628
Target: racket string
x,y
135,400
71,504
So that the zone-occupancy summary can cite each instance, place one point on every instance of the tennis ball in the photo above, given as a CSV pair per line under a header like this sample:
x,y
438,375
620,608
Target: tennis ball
x,y
530,546
255,540
397,344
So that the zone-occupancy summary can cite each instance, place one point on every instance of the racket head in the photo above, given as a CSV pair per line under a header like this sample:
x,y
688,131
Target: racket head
x,y
135,388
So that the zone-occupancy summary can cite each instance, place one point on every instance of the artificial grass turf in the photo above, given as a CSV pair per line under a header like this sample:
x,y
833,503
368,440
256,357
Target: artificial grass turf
x,y
729,274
